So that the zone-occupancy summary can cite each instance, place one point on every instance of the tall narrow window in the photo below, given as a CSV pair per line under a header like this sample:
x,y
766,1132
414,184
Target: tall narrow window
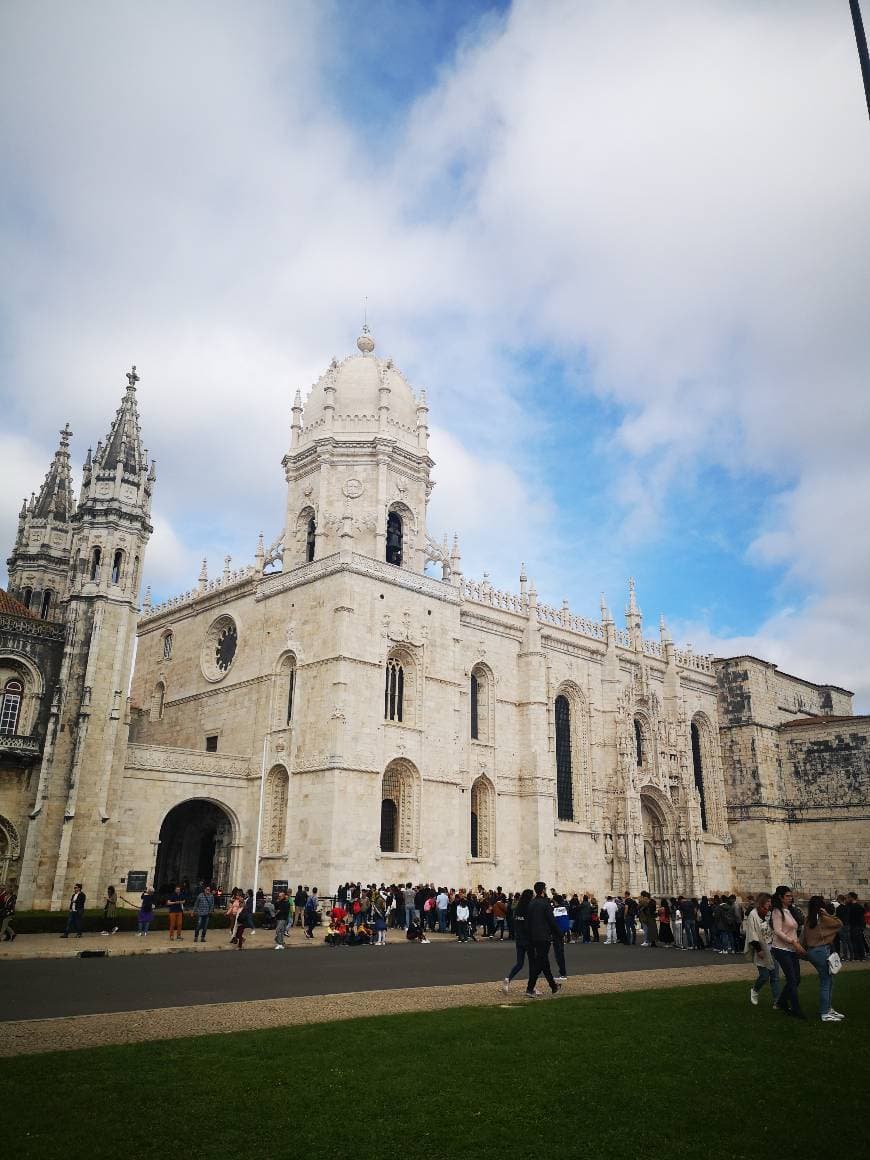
x,y
482,814
157,699
474,708
26,597
564,771
135,580
394,539
389,816
394,691
167,646
291,688
310,539
698,766
10,707
638,741
474,836
96,557
117,565
46,604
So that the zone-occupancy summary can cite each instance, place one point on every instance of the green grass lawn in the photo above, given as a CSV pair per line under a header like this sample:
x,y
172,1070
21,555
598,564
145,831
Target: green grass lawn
x,y
693,1071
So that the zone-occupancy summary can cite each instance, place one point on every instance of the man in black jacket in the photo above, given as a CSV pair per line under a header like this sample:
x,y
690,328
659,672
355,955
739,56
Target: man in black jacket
x,y
541,929
76,907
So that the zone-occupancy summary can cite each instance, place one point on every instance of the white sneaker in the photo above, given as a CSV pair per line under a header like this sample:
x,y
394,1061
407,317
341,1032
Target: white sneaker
x,y
506,986
561,978
278,947
753,996
836,1014
830,1017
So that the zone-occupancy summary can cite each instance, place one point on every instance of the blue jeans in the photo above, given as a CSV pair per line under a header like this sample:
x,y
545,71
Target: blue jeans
x,y
522,952
791,968
442,920
74,922
819,956
584,929
411,915
200,926
768,975
689,934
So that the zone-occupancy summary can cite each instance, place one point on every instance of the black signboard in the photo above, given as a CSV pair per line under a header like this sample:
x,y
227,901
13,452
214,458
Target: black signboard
x,y
137,881
279,884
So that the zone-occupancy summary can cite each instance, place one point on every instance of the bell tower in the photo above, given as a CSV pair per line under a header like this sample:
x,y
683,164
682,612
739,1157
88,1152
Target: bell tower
x,y
83,759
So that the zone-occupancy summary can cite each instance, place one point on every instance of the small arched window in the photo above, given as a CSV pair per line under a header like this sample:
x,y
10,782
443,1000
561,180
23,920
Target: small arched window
x,y
117,566
394,690
564,770
10,707
46,604
135,581
480,697
285,693
167,646
96,558
394,539
157,699
26,596
310,539
638,742
698,767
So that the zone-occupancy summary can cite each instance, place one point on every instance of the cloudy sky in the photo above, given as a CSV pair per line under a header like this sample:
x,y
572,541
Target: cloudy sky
x,y
625,247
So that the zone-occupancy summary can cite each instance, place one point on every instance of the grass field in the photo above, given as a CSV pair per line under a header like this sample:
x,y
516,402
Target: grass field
x,y
694,1071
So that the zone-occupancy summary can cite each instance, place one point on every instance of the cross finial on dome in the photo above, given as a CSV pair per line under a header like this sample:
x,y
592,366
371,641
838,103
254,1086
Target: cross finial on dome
x,y
132,379
65,435
365,342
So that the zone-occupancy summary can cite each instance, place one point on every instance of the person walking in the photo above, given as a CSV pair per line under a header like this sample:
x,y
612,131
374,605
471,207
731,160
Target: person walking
x,y
758,939
146,912
521,939
787,950
76,910
175,906
110,911
245,920
309,917
202,910
282,920
542,929
560,914
819,933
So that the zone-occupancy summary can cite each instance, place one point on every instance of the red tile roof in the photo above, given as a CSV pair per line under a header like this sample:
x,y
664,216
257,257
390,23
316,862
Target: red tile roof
x,y
9,606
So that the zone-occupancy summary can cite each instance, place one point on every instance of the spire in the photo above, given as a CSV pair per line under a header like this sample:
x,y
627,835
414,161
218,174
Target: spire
x,y
633,618
663,630
55,500
123,443
203,576
606,618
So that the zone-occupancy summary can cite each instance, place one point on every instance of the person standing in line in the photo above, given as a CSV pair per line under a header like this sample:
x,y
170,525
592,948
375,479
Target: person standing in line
x,y
202,910
462,914
647,915
630,919
309,918
411,913
585,915
175,906
758,938
856,926
609,910
666,936
521,939
818,937
110,911
594,918
442,901
299,900
146,912
379,916
282,920
787,951
76,909
542,929
7,909
236,902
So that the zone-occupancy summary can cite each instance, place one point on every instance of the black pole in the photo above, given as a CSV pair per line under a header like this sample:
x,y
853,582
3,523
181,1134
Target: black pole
x,y
861,41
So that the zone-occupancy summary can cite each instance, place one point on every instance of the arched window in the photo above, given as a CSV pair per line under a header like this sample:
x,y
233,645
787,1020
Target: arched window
x,y
26,596
399,808
475,727
135,580
167,646
117,565
96,557
275,822
564,766
394,539
394,690
10,706
638,741
157,699
46,604
480,697
310,539
698,766
285,691
482,814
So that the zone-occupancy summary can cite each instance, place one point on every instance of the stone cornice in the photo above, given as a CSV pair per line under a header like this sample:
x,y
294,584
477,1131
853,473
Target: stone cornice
x,y
357,565
173,759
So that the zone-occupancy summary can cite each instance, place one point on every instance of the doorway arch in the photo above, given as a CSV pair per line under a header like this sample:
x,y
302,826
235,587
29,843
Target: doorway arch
x,y
657,846
196,840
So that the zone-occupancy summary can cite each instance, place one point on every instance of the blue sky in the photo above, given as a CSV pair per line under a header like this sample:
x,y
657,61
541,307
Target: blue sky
x,y
625,248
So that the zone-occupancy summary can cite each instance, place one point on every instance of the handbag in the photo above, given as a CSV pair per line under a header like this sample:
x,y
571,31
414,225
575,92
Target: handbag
x,y
834,962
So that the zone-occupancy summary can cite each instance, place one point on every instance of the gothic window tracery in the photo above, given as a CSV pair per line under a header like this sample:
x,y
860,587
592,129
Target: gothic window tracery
x,y
564,764
394,690
167,646
394,539
276,795
399,808
571,736
285,692
482,818
157,700
698,769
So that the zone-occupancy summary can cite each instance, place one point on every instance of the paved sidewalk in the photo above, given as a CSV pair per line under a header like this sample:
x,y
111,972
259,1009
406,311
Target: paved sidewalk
x,y
54,946
32,1036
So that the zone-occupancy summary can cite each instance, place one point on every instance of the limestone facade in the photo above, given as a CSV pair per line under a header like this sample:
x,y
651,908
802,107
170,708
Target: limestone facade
x,y
335,711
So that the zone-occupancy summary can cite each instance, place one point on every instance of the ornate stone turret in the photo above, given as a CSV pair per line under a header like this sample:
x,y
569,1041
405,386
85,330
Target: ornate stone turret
x,y
634,619
359,448
39,564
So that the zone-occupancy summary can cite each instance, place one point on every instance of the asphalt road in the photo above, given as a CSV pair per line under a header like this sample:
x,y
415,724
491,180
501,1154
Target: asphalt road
x,y
51,988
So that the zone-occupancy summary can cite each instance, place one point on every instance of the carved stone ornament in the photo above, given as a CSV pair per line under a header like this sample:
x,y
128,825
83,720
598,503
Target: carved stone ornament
x,y
353,488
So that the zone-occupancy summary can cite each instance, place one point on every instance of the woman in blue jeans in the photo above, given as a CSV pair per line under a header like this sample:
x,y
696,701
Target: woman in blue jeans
x,y
787,950
818,938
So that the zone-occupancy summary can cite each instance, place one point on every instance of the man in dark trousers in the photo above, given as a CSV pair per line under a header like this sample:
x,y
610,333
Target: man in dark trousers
x,y
76,907
541,929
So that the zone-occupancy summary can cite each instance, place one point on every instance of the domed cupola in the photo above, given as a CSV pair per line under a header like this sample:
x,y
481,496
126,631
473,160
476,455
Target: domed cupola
x,y
362,394
358,468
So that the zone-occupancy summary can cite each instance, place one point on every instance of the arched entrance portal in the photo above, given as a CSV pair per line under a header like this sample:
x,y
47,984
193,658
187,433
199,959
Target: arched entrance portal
x,y
195,841
656,848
